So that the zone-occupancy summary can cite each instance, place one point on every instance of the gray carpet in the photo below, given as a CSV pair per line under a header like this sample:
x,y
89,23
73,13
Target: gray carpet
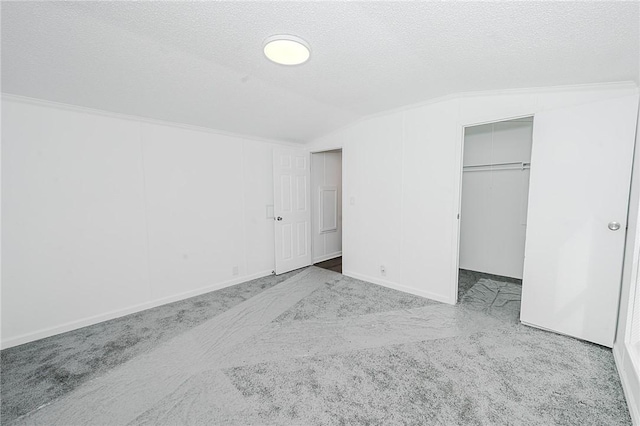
x,y
36,373
467,279
317,348
350,297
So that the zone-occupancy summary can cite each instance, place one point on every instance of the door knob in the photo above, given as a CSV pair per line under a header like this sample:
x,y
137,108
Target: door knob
x,y
614,226
278,218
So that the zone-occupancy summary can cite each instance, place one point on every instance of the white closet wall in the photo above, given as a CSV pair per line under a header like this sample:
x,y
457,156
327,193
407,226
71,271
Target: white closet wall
x,y
326,205
494,202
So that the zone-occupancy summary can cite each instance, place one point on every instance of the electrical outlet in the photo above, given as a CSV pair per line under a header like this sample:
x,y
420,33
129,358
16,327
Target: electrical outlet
x,y
383,270
235,270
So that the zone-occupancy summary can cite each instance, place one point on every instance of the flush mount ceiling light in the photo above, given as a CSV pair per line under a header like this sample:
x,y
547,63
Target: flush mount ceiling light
x,y
287,50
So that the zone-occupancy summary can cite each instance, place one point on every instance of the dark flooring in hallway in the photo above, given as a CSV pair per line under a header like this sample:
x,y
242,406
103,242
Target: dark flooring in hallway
x,y
334,264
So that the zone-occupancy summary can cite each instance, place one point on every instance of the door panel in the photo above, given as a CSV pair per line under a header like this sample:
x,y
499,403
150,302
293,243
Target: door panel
x,y
580,175
291,176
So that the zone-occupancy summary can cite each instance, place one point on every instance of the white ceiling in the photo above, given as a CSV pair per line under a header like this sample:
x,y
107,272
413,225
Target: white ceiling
x,y
201,63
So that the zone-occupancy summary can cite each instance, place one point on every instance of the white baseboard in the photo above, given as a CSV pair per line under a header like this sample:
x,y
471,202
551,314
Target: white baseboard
x,y
400,287
327,257
624,364
74,325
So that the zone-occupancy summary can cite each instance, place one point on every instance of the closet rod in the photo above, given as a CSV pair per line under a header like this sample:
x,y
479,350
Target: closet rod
x,y
519,163
496,169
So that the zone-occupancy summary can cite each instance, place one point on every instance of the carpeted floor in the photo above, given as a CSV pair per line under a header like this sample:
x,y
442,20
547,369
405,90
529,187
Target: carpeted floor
x,y
467,279
315,347
37,373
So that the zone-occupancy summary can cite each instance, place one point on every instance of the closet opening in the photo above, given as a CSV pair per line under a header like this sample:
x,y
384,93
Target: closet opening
x,y
326,209
494,200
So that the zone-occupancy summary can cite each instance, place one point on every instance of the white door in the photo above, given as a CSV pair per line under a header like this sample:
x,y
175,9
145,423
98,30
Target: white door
x,y
291,186
578,195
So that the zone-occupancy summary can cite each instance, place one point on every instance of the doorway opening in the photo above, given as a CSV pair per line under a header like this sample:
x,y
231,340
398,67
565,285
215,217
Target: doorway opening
x,y
494,202
326,209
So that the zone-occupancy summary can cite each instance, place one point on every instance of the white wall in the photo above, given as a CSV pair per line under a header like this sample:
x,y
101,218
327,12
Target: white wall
x,y
73,230
493,213
402,170
372,191
326,205
105,215
628,360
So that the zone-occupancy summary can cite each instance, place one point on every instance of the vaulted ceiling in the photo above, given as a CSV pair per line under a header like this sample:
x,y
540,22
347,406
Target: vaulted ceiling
x,y
201,63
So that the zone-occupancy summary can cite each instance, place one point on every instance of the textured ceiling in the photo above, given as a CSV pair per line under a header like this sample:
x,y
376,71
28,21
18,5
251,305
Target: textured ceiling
x,y
201,63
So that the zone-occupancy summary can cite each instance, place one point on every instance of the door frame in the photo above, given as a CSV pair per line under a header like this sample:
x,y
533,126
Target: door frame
x,y
342,197
462,126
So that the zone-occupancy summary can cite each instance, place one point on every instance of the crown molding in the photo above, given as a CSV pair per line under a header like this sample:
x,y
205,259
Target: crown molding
x,y
618,85
140,119
615,85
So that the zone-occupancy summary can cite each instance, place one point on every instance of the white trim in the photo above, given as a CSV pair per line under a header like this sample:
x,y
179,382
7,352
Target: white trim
x,y
93,111
606,86
462,126
74,325
499,120
325,228
457,208
634,285
399,287
326,257
319,150
633,401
